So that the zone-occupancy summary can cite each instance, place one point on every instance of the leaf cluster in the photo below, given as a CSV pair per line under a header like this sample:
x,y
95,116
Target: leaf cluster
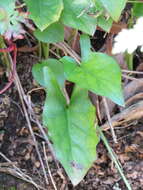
x,y
86,15
72,123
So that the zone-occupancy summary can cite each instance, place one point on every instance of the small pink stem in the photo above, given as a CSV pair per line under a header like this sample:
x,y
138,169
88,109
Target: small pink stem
x,y
11,48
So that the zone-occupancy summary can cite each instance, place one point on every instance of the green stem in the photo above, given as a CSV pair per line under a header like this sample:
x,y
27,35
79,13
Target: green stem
x,y
45,50
129,60
4,55
114,158
39,50
134,2
129,57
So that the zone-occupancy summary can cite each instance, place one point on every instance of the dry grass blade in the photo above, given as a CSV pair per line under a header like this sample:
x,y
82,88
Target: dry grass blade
x,y
49,171
133,112
15,171
22,95
36,121
109,120
132,78
133,72
114,159
65,47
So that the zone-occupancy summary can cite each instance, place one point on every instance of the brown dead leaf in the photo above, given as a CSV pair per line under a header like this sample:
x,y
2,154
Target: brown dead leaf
x,y
132,148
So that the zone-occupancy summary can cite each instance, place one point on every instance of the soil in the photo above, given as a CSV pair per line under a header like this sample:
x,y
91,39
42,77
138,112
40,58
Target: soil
x,y
18,146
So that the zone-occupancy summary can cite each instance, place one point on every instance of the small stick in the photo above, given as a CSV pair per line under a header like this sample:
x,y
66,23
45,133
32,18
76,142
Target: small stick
x,y
65,47
19,173
21,94
132,78
49,171
134,72
109,120
134,112
36,121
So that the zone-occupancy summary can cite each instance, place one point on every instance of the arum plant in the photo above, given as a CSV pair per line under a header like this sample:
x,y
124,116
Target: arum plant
x,y
72,124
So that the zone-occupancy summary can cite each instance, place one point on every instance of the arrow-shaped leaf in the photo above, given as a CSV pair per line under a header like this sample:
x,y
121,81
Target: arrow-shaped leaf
x,y
99,74
71,127
75,15
56,67
44,12
52,34
114,7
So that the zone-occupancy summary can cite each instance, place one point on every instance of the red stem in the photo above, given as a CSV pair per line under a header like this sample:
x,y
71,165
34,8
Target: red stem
x,y
12,47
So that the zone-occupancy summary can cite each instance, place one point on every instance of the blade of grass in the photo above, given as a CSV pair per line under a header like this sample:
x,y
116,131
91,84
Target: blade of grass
x,y
114,158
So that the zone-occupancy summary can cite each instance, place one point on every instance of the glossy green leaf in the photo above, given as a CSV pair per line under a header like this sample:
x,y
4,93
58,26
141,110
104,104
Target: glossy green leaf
x,y
138,9
57,68
114,7
99,74
8,5
6,10
52,34
104,23
75,15
12,21
70,127
85,46
44,12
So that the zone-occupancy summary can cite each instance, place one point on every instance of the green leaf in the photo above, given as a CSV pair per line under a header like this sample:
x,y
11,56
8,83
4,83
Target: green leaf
x,y
57,68
85,46
44,12
6,10
104,23
114,7
75,15
3,14
99,74
52,34
8,5
12,20
138,9
71,127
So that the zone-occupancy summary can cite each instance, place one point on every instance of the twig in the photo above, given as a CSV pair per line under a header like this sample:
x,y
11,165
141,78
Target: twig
x,y
35,89
18,106
18,172
114,159
135,97
49,171
133,112
36,121
51,51
21,94
134,72
64,46
109,119
5,164
132,78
